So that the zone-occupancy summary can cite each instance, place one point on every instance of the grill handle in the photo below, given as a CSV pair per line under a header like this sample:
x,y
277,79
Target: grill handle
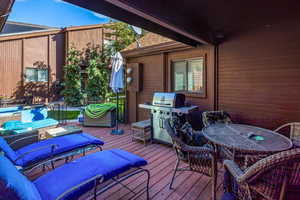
x,y
161,123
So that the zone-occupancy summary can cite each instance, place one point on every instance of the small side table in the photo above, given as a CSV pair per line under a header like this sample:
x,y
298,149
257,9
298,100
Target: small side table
x,y
141,130
60,131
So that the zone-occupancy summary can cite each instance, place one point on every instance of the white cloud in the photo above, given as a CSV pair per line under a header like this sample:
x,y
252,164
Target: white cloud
x,y
99,15
59,1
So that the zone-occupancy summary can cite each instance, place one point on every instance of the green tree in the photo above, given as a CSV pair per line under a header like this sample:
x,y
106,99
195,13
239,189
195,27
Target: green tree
x,y
121,35
98,74
72,78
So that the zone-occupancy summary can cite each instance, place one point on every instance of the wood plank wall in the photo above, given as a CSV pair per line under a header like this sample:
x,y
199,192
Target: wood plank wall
x,y
156,78
259,75
17,55
80,38
21,51
152,82
10,66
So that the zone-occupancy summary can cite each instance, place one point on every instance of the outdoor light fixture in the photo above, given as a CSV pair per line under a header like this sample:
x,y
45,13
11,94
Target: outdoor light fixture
x,y
129,70
129,80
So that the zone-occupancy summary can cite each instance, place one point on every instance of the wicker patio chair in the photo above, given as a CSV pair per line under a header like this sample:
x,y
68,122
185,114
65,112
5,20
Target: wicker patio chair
x,y
294,130
212,117
270,178
199,159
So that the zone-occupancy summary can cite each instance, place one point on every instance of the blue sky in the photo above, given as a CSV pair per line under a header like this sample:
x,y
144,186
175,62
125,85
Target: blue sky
x,y
56,13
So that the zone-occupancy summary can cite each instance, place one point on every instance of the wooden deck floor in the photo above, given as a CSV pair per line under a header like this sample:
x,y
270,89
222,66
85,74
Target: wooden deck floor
x,y
161,160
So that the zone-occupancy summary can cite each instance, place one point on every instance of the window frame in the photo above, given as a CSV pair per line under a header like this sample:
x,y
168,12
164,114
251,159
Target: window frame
x,y
36,74
204,82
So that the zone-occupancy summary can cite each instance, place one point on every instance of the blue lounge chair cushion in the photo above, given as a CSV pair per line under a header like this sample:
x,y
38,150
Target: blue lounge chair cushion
x,y
108,164
8,151
36,125
13,184
228,196
63,144
11,109
12,125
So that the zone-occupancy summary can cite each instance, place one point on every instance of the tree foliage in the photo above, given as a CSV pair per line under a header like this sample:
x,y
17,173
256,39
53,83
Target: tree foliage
x,y
96,61
98,74
72,78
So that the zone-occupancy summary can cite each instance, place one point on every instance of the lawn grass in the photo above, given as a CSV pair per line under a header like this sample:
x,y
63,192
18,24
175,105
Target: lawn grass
x,y
69,114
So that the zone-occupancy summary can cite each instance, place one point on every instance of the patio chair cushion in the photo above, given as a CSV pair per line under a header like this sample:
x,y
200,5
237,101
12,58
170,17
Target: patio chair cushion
x,y
107,164
190,136
228,196
11,109
12,125
13,184
36,125
212,117
8,151
63,144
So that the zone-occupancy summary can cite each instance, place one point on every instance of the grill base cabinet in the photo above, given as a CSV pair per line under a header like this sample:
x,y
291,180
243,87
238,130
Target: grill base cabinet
x,y
159,133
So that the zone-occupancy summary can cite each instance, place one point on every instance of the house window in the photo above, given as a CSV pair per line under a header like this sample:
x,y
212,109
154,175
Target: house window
x,y
188,76
36,75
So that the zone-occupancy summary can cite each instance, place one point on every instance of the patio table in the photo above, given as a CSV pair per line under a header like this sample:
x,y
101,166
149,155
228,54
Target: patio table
x,y
246,139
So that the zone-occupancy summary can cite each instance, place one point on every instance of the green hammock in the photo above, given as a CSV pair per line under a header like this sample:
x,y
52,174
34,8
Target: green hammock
x,y
99,110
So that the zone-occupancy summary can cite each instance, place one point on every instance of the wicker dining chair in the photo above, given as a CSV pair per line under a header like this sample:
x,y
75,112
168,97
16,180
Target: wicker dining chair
x,y
198,158
212,117
294,130
270,178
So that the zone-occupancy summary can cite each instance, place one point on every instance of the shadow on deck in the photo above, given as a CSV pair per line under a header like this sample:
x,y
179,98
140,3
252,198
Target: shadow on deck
x,y
161,159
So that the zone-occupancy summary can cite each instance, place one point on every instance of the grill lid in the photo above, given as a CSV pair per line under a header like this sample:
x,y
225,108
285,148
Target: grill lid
x,y
168,99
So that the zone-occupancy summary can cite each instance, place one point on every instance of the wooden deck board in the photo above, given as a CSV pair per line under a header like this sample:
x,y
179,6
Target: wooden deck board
x,y
161,161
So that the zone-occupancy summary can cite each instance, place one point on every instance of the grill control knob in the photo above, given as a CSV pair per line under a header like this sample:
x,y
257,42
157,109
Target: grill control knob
x,y
161,112
168,113
154,111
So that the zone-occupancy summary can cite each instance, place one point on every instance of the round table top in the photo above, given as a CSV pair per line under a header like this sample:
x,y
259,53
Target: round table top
x,y
247,138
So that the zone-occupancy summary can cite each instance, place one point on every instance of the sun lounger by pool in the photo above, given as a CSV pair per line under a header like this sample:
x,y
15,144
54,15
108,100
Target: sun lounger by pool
x,y
94,173
47,151
18,127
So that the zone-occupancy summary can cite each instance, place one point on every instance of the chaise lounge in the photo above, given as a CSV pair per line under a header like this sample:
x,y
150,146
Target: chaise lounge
x,y
47,151
98,173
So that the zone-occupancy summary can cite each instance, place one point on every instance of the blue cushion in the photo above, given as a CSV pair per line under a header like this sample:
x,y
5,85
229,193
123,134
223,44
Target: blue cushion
x,y
16,182
12,125
11,109
36,125
64,144
108,163
8,151
228,196
34,114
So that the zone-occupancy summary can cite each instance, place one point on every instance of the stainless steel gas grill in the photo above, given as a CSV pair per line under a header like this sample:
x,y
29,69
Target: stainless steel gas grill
x,y
165,106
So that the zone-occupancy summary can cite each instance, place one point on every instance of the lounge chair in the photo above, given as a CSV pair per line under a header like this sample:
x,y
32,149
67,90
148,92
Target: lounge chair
x,y
47,151
94,173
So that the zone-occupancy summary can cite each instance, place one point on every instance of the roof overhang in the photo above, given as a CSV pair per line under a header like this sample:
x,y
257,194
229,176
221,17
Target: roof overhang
x,y
155,49
123,11
5,8
197,22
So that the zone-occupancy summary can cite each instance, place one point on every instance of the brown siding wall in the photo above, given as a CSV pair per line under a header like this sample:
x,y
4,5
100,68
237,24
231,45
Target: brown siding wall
x,y
21,51
79,39
156,78
259,75
152,82
10,66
